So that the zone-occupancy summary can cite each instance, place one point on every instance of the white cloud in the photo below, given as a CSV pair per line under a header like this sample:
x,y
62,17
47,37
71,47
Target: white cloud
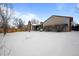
x,y
26,17
77,5
60,6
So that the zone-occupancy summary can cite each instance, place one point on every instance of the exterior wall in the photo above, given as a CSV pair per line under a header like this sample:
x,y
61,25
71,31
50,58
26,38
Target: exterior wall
x,y
58,22
36,27
70,24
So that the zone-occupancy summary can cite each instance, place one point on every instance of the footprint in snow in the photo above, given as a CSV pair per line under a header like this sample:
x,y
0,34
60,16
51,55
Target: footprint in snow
x,y
27,37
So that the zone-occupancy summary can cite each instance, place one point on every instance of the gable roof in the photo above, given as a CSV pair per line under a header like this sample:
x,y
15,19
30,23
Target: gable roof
x,y
58,16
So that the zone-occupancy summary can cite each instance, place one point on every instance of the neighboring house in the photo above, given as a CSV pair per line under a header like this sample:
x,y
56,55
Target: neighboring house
x,y
75,28
34,27
58,23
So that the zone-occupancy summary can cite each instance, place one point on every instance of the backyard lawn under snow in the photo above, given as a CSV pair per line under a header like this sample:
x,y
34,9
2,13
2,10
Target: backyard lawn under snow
x,y
40,44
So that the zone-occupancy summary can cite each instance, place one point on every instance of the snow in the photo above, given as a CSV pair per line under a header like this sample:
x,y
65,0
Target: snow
x,y
41,44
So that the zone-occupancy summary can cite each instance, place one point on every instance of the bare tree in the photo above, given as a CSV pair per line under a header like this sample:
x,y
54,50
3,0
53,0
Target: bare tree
x,y
5,15
34,21
19,23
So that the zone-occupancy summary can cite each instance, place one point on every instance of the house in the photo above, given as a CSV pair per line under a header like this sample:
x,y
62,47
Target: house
x,y
75,28
58,23
34,27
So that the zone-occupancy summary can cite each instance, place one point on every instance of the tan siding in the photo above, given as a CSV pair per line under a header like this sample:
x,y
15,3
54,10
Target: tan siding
x,y
56,20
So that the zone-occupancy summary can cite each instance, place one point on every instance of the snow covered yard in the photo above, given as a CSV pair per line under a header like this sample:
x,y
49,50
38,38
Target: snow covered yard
x,y
42,43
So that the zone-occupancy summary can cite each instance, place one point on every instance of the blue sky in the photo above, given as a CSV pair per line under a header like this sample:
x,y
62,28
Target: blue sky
x,y
41,11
